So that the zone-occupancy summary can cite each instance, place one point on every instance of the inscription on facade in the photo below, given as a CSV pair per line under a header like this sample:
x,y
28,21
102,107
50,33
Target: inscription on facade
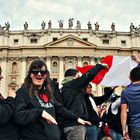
x,y
71,52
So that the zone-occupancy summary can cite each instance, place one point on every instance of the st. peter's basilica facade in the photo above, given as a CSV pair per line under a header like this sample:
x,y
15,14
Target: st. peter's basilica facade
x,y
61,48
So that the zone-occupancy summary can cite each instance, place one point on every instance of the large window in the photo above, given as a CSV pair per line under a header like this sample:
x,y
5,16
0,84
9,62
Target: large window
x,y
85,39
33,40
54,38
105,41
123,42
15,41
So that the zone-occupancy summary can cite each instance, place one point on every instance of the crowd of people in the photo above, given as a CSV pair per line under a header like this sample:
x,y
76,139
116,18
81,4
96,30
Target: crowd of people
x,y
39,110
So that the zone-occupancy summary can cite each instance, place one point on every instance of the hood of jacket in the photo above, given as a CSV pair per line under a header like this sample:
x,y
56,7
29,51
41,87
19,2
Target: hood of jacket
x,y
67,79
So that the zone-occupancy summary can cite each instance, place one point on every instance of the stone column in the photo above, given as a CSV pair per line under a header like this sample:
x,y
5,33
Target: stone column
x,y
133,40
79,61
3,86
23,69
25,39
61,70
49,63
6,39
61,31
92,61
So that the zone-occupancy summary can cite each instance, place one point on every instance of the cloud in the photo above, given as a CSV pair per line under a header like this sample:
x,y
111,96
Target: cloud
x,y
122,13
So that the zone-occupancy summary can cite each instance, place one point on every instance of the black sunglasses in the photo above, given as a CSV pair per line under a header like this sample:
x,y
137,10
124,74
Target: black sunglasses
x,y
36,71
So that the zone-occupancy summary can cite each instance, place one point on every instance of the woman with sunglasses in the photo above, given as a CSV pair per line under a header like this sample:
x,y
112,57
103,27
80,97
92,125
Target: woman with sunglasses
x,y
36,106
8,129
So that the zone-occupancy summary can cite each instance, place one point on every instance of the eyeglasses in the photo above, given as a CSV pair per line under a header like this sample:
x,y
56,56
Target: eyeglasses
x,y
36,71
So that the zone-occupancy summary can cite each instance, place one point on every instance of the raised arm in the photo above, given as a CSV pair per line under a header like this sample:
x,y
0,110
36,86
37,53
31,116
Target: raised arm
x,y
88,76
136,57
101,99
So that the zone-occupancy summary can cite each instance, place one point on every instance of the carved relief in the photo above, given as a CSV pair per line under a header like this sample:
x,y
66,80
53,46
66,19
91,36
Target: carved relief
x,y
4,59
23,58
70,41
14,58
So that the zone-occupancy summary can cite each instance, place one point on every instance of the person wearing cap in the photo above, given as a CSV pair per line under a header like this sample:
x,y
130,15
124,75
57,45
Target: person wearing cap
x,y
8,129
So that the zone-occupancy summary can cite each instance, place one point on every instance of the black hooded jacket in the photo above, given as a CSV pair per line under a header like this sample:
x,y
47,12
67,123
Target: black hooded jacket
x,y
73,95
92,115
28,115
8,129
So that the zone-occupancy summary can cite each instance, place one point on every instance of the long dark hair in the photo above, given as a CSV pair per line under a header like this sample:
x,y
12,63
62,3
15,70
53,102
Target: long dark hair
x,y
33,89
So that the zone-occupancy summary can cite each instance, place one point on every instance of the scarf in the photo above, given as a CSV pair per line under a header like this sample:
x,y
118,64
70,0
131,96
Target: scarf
x,y
67,79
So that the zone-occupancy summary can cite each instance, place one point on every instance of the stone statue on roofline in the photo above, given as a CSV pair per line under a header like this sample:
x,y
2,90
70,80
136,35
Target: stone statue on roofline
x,y
43,25
89,26
78,27
70,22
132,27
60,23
96,26
7,26
25,26
2,28
49,24
113,26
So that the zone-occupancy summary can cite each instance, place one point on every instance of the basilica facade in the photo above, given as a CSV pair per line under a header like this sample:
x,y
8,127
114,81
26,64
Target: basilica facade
x,y
61,48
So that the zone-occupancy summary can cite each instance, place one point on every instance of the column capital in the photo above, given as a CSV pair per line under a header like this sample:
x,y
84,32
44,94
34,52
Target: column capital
x,y
79,57
61,57
48,57
5,58
42,58
92,57
23,58
93,60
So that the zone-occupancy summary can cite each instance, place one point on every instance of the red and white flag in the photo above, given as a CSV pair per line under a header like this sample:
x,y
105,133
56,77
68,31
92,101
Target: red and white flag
x,y
118,71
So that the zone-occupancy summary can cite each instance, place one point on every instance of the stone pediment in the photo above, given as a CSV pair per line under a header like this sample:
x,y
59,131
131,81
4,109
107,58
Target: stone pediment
x,y
70,41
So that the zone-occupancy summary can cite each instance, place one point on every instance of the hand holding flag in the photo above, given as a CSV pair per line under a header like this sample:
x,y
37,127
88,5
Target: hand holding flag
x,y
118,71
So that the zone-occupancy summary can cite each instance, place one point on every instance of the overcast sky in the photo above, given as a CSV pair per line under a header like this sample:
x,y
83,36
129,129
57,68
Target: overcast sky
x,y
121,12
